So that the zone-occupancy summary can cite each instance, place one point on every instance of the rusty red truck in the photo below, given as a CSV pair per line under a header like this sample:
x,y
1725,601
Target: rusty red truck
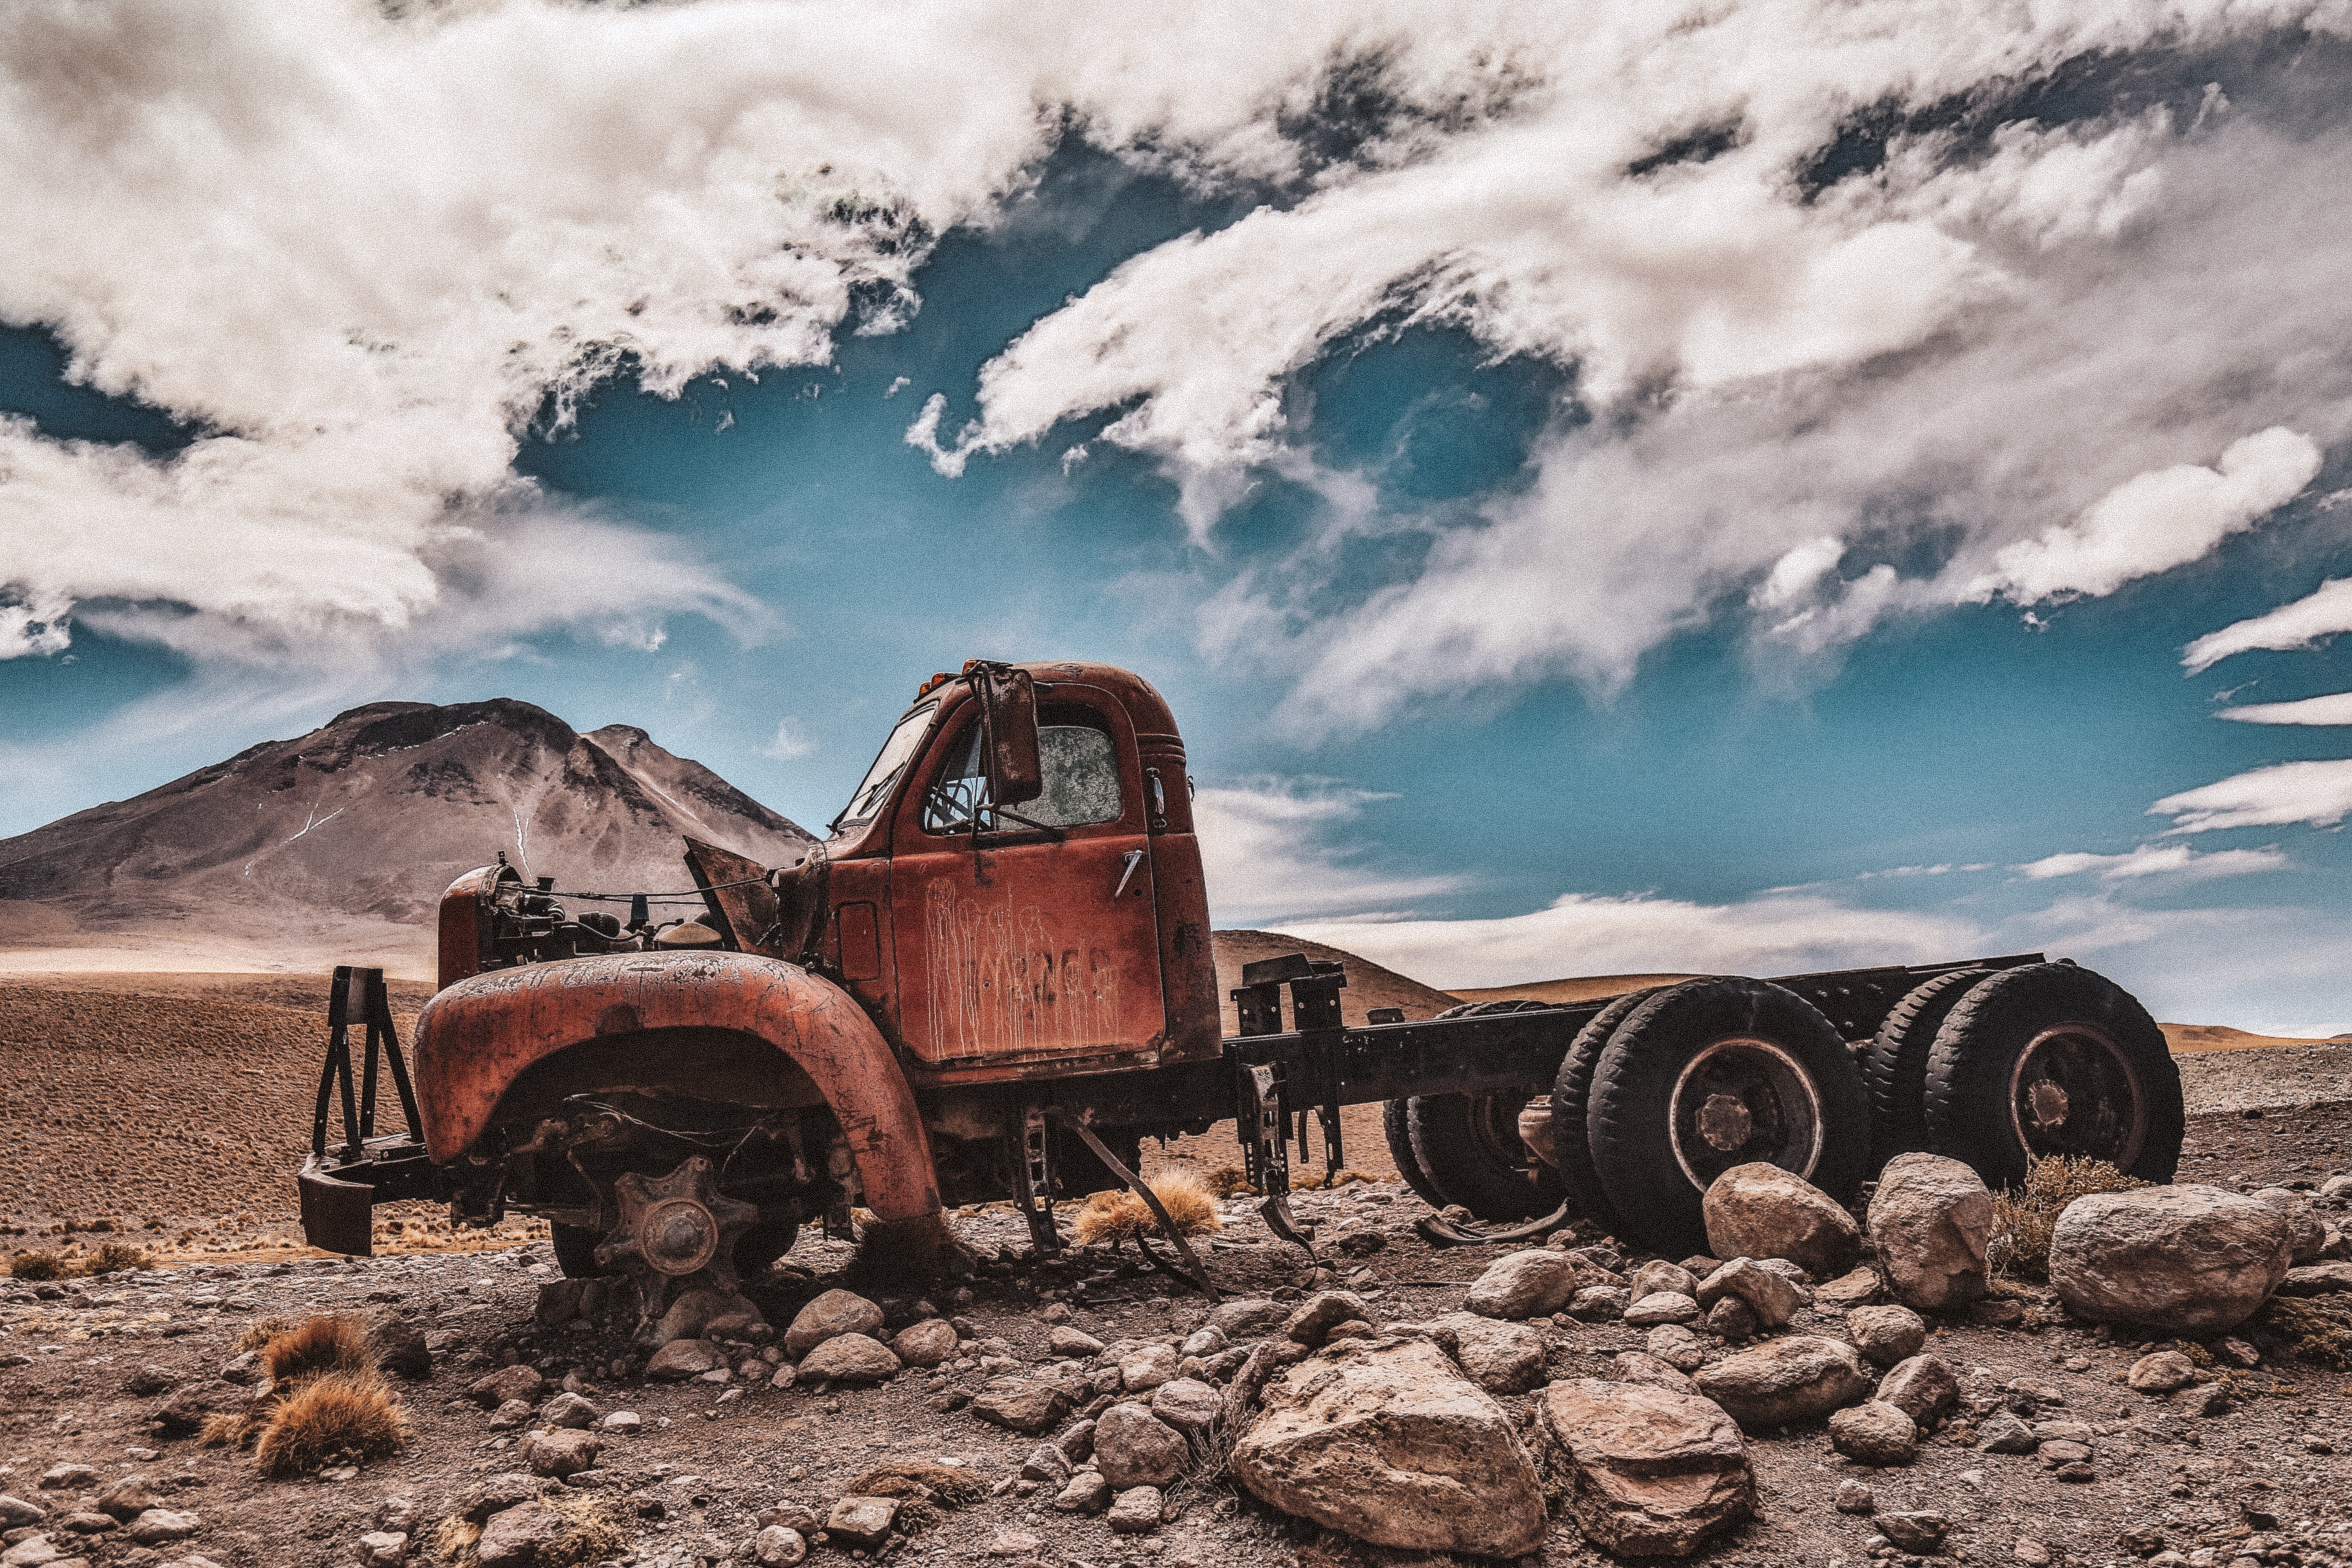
x,y
995,979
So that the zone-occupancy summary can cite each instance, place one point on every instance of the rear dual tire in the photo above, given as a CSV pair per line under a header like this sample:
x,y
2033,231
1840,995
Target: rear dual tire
x,y
1466,1149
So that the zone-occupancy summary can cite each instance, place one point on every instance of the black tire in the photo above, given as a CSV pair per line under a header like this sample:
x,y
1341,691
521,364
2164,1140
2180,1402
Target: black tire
x,y
1743,1059
1396,1126
1468,1144
1894,1070
575,1251
2052,1026
1572,1097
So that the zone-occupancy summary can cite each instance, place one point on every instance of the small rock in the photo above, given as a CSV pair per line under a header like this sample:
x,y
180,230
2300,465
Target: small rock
x,y
2306,1232
696,1313
1047,1462
830,1315
87,1523
1079,1442
1147,1367
514,1537
68,1478
508,1383
861,1521
1874,1433
1786,1380
2030,1552
2161,1373
1087,1493
1853,1496
1133,1447
1500,1357
400,1347
559,1453
1886,1334
624,1422
126,1498
1732,1320
383,1549
2207,1399
852,1359
570,1410
2317,1279
1918,1531
1922,1387
1762,1211
511,1417
1774,1299
1206,1340
2237,1352
1316,1316
1068,1341
1248,1318
1016,1544
1678,1347
1661,1307
778,1546
15,1512
162,1526
1025,1407
1856,1290
1525,1284
1596,1304
1654,1277
1930,1222
1135,1511
2002,1432
1189,1407
925,1343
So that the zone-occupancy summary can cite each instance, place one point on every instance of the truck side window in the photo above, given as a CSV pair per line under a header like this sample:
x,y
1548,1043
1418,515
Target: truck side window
x,y
1081,773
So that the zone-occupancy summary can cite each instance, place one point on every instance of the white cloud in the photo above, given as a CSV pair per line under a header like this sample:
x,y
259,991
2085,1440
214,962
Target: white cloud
x,y
1264,851
2321,613
1582,933
792,744
2318,792
2335,707
2154,521
2176,860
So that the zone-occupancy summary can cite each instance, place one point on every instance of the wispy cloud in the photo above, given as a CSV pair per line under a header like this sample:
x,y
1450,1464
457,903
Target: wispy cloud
x,y
2174,860
792,742
2321,613
2333,709
2320,793
1269,850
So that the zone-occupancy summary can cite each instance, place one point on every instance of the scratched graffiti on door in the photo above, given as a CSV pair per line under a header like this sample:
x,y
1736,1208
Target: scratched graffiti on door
x,y
1002,981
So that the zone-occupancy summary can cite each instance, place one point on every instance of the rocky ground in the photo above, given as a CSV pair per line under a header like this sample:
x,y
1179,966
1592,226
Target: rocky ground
x,y
100,1373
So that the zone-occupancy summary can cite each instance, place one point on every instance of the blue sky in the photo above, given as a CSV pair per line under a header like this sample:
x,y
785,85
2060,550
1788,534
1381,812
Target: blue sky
x,y
1602,495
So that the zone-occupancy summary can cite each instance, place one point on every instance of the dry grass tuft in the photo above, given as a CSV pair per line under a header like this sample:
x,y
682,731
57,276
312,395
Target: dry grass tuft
x,y
261,1330
335,1417
316,1346
37,1266
1115,1216
922,1478
2024,1217
592,1533
116,1258
453,1539
2315,1329
1227,1180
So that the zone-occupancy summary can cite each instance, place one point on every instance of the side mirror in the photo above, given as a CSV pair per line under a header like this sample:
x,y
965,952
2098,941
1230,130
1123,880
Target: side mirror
x,y
1008,704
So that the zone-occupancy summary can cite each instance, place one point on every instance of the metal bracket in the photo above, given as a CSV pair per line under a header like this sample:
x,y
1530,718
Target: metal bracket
x,y
1266,1133
1033,1180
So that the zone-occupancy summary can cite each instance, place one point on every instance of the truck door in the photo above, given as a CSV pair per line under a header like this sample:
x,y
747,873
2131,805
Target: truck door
x,y
1027,935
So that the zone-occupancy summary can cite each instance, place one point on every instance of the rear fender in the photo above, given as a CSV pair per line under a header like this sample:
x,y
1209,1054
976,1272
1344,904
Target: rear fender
x,y
479,1037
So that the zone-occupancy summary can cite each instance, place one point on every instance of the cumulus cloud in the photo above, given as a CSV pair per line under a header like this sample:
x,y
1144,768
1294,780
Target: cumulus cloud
x,y
2176,860
2321,613
1580,934
2317,792
1264,849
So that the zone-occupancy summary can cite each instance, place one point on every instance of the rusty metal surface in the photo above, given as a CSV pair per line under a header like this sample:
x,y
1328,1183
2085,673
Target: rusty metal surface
x,y
477,1037
461,920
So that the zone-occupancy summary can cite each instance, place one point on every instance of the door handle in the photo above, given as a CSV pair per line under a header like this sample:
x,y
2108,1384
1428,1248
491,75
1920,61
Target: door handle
x,y
1126,873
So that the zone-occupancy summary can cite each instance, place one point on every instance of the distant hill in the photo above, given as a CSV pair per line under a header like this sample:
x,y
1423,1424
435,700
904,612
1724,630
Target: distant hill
x,y
1583,988
1368,985
336,846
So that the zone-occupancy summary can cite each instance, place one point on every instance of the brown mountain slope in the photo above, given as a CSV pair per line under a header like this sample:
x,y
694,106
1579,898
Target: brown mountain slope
x,y
1368,985
1583,988
336,846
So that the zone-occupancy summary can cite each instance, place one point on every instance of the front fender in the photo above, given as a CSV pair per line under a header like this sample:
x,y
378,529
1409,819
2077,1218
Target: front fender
x,y
476,1038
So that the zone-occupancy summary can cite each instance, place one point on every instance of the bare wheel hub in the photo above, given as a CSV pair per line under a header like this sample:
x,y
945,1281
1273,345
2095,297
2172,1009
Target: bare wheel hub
x,y
673,1227
2048,1103
1725,1122
678,1235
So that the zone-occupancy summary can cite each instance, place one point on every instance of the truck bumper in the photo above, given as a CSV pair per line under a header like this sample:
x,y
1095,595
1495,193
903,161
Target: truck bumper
x,y
340,1196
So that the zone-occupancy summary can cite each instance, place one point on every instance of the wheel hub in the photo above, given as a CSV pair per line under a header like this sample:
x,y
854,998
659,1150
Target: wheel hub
x,y
2073,1091
671,1227
678,1235
1725,1122
2048,1103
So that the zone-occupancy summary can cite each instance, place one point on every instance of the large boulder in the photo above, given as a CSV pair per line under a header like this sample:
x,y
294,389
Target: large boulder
x,y
1874,1433
1931,1221
851,1359
2186,1260
1524,1285
1385,1440
1886,1334
1762,1211
1656,1472
834,1314
1780,1382
1922,1387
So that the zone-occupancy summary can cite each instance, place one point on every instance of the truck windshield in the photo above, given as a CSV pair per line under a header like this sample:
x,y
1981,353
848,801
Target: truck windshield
x,y
895,752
